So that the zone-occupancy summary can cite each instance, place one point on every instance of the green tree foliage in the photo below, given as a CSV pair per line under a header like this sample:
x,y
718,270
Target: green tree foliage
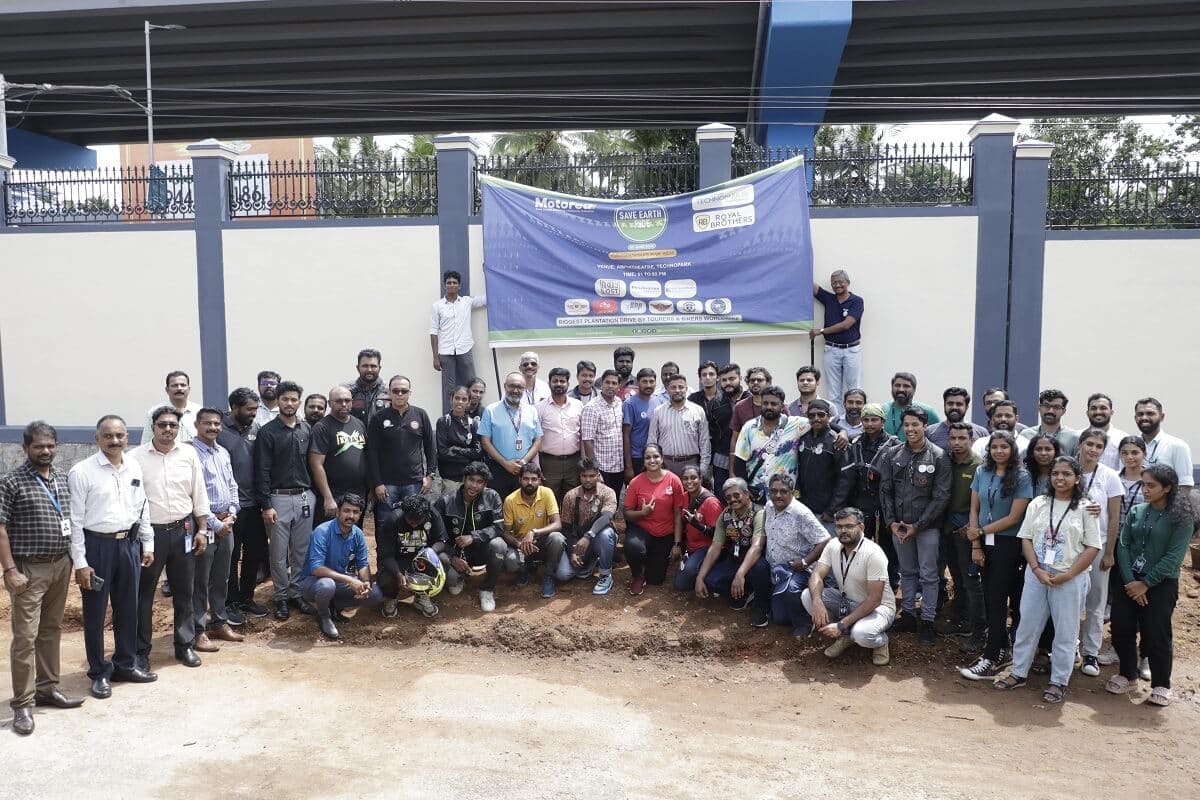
x,y
359,176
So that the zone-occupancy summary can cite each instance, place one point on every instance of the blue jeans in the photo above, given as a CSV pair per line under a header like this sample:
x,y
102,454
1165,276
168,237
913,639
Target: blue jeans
x,y
719,580
394,495
1040,603
601,550
843,372
787,591
689,568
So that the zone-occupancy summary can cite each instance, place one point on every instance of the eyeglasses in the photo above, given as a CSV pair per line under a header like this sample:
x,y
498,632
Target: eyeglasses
x,y
756,379
1052,406
166,425
268,383
400,391
849,527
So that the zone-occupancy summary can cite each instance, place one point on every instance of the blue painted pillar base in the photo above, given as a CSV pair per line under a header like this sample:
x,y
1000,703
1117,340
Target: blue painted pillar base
x,y
456,199
716,166
211,162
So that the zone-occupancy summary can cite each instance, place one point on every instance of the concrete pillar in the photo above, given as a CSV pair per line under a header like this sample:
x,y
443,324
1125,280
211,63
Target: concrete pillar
x,y
6,164
455,202
211,163
992,149
1031,174
716,166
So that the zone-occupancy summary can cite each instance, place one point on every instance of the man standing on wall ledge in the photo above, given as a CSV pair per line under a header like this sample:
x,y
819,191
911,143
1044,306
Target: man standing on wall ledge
x,y
842,332
450,336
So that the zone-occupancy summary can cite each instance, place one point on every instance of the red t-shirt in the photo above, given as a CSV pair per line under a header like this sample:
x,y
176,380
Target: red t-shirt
x,y
668,494
708,513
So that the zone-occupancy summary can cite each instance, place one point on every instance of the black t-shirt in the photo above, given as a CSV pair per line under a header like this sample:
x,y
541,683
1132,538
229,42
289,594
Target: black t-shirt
x,y
343,445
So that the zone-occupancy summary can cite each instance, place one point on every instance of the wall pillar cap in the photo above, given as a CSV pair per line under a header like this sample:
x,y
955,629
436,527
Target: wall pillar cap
x,y
1034,148
994,124
212,148
7,162
715,132
455,141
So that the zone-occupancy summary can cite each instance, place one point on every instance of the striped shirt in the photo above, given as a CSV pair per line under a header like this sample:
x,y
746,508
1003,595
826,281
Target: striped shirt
x,y
218,481
600,424
28,512
681,432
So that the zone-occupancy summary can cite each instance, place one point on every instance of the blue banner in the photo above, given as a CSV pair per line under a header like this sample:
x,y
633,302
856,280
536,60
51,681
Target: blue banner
x,y
731,260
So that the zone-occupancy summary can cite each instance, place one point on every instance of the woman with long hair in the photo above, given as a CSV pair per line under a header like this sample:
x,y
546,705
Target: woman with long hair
x,y
476,388
1132,452
1060,540
1039,455
1000,493
654,503
1150,551
1102,488
457,438
699,523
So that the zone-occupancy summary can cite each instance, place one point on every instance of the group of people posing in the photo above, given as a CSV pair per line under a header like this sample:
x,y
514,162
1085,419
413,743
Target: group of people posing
x,y
810,514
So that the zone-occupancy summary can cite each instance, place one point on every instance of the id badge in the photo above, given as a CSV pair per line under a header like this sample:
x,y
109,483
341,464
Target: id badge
x,y
1048,555
843,610
1139,564
519,444
305,511
989,539
187,536
737,550
65,524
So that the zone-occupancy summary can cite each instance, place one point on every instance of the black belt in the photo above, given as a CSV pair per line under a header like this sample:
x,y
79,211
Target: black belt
x,y
40,559
170,526
843,346
102,535
551,455
296,490
681,458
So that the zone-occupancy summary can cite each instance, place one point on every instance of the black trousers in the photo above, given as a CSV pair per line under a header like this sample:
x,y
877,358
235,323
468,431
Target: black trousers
x,y
502,481
119,563
250,549
874,529
614,481
1153,620
181,572
969,604
1004,576
647,554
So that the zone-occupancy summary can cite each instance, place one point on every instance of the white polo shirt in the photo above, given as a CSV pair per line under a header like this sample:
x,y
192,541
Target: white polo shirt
x,y
451,323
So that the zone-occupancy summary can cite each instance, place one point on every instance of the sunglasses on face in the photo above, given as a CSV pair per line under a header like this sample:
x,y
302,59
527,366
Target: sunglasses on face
x,y
401,391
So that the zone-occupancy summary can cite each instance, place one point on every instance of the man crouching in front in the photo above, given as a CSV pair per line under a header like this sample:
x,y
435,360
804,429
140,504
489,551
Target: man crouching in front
x,y
337,572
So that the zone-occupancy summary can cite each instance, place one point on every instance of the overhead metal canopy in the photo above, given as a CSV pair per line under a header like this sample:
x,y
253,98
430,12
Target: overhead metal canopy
x,y
259,68
960,59
289,67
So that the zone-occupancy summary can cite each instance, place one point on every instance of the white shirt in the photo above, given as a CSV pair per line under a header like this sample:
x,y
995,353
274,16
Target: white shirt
x,y
1101,485
174,483
107,499
265,415
1168,449
187,422
1112,449
451,323
541,391
979,447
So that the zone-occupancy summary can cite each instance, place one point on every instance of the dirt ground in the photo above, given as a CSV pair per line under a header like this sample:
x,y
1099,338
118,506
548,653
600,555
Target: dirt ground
x,y
662,696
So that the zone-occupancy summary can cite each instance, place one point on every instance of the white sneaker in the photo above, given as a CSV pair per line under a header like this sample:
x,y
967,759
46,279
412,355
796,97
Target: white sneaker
x,y
487,601
456,588
1108,656
837,648
1144,669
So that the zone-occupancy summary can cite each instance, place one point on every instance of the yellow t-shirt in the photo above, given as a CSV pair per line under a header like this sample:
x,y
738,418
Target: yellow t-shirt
x,y
521,516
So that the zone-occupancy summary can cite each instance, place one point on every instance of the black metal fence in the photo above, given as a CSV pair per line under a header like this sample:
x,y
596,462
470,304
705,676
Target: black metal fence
x,y
392,187
874,175
116,194
1100,195
613,176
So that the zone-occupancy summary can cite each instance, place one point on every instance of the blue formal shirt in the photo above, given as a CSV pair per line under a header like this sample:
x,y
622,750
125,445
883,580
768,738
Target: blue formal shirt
x,y
329,548
837,311
219,482
505,425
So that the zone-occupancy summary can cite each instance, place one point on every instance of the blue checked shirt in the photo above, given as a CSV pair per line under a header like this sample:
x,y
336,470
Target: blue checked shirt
x,y
218,481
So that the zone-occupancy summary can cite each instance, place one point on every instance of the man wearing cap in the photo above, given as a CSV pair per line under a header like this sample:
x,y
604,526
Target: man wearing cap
x,y
860,466
842,334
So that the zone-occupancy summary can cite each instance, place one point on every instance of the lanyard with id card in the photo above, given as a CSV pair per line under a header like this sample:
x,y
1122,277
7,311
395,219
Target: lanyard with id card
x,y
64,524
1052,547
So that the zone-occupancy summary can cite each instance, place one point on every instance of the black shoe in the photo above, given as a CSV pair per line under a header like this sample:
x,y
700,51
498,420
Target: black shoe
x,y
187,656
23,720
302,605
142,663
759,618
927,635
253,609
234,616
905,623
134,675
974,645
166,588
741,605
281,610
957,628
337,615
328,629
522,577
57,699
101,690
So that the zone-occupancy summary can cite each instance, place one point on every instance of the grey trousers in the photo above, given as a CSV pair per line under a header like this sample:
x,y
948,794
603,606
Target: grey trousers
x,y
456,371
211,588
288,547
918,559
